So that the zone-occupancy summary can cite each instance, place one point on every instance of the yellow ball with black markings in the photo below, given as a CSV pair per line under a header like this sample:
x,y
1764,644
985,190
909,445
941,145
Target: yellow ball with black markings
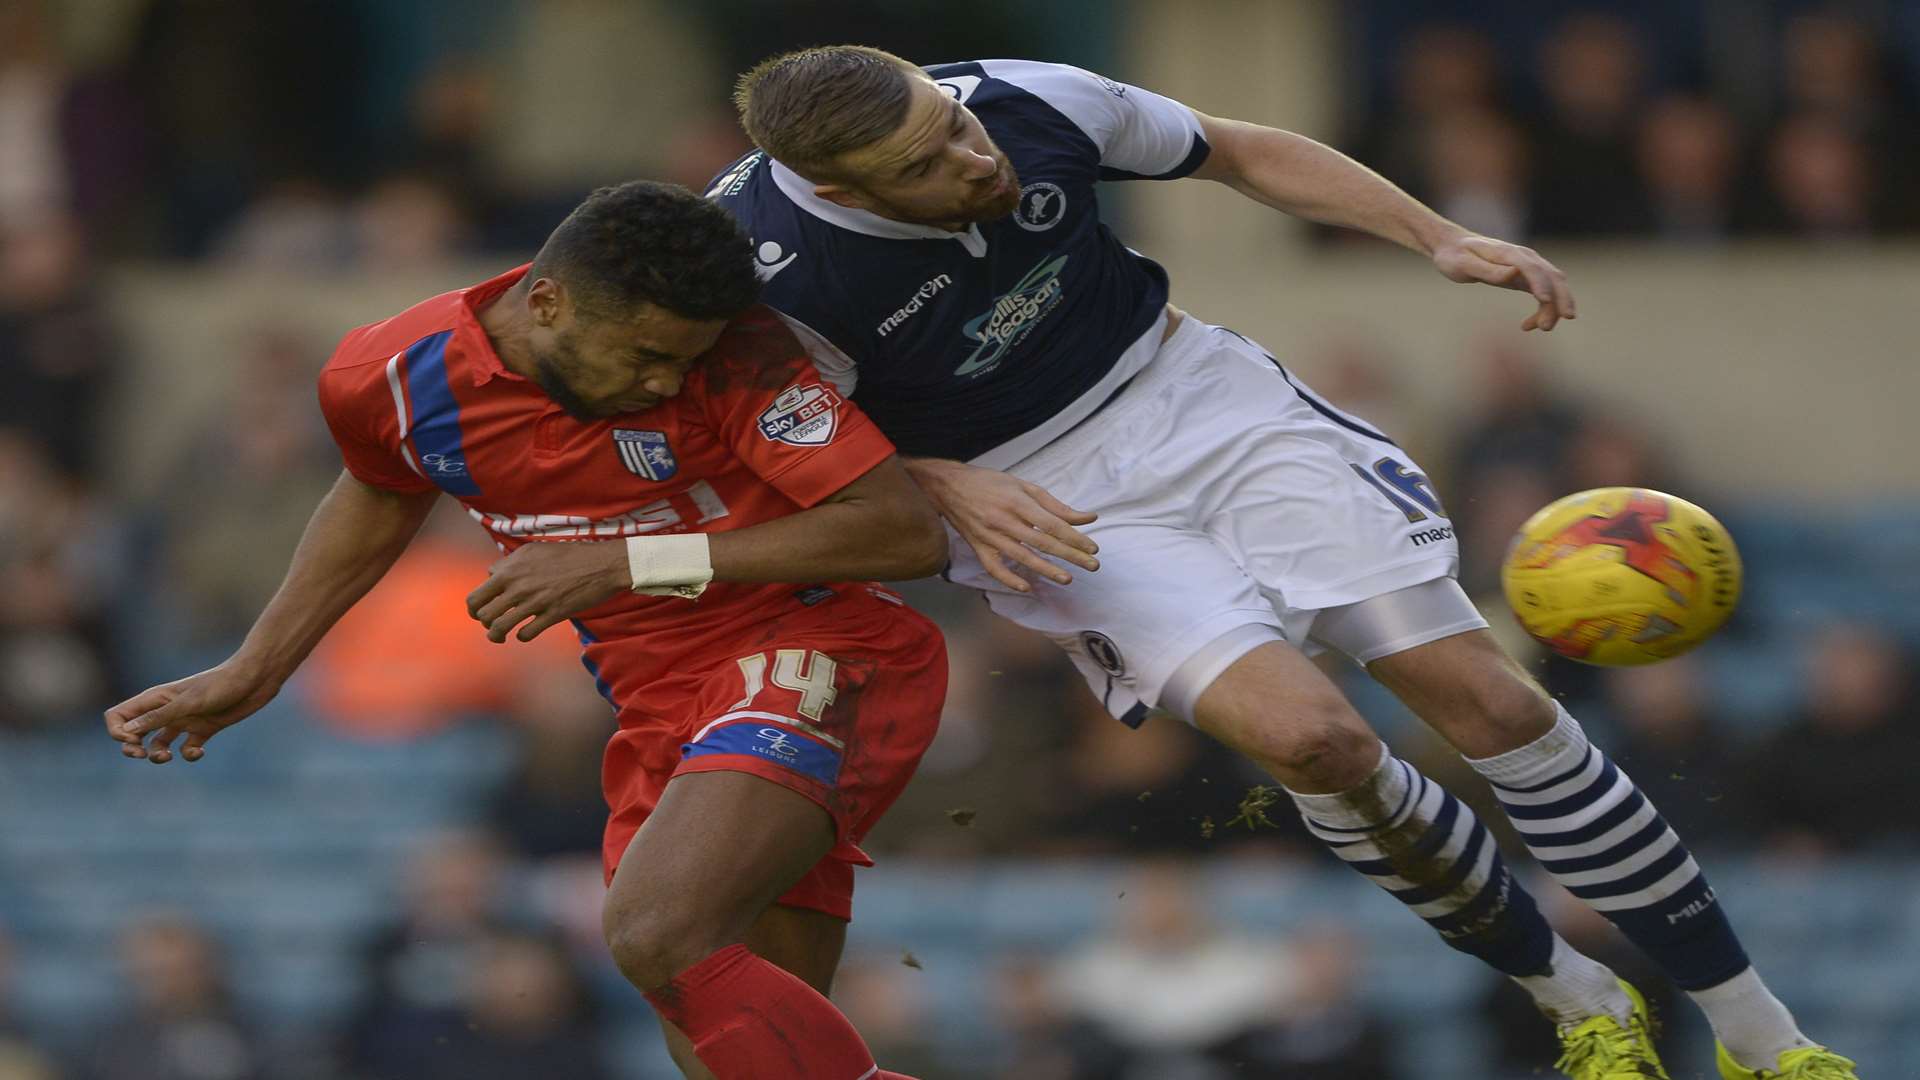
x,y
1621,576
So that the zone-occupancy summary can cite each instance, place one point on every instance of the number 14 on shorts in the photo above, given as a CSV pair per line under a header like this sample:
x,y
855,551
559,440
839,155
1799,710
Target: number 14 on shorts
x,y
803,671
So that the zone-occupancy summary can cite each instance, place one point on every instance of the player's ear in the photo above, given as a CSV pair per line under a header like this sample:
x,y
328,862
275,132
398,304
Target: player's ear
x,y
841,196
546,299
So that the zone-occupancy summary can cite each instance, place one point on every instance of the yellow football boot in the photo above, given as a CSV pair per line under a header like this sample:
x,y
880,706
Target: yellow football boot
x,y
1603,1048
1806,1063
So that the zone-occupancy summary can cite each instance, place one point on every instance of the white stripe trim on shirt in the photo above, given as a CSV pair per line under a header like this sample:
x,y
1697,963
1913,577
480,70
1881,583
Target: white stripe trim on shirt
x,y
400,409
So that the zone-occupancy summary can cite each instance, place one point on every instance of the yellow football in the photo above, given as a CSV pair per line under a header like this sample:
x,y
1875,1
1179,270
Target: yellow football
x,y
1621,576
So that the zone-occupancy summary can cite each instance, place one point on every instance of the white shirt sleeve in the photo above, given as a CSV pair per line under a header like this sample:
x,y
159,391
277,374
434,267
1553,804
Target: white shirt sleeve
x,y
1141,135
835,366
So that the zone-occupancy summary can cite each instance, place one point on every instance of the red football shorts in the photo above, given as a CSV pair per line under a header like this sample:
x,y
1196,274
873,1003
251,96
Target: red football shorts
x,y
836,702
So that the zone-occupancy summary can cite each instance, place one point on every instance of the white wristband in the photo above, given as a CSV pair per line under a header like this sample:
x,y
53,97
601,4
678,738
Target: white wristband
x,y
669,565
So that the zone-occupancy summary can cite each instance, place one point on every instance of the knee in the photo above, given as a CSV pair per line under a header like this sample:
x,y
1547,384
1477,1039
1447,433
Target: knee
x,y
1315,744
1505,710
653,943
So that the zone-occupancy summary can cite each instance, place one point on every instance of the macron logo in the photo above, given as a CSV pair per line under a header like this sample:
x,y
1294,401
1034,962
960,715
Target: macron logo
x,y
918,300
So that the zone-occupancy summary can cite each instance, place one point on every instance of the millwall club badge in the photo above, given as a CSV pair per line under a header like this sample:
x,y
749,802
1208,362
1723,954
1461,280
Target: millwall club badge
x,y
801,416
646,453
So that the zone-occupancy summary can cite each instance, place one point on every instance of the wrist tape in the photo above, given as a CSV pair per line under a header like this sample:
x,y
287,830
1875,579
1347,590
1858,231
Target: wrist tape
x,y
669,565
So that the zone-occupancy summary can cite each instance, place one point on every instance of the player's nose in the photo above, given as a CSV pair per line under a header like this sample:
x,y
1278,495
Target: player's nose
x,y
980,166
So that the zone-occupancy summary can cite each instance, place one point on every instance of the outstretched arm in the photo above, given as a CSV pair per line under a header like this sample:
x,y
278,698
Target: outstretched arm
x,y
354,536
1308,179
878,527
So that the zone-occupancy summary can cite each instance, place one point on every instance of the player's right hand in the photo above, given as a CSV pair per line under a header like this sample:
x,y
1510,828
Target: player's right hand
x,y
1007,521
197,707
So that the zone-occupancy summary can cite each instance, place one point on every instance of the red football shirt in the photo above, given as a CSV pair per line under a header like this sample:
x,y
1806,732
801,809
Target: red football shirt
x,y
421,401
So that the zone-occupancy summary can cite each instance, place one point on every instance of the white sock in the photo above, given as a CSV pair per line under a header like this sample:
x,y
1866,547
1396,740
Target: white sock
x,y
1749,1021
1579,988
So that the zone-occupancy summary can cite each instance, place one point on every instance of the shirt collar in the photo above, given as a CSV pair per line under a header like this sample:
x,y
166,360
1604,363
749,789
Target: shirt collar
x,y
800,190
486,363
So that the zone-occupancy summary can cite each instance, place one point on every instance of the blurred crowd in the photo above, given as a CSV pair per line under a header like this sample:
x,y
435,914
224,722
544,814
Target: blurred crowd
x,y
1605,129
490,965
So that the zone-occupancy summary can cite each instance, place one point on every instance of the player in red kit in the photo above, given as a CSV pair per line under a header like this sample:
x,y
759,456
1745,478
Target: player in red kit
x,y
663,464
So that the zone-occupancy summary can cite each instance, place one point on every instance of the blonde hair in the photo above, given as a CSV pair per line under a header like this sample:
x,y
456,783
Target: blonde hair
x,y
806,108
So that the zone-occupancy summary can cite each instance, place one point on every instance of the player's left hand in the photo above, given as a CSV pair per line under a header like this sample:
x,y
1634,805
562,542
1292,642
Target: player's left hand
x,y
1468,258
541,584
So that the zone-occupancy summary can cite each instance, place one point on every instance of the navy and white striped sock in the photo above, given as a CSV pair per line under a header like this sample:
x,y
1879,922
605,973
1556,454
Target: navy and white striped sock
x,y
1594,831
1418,842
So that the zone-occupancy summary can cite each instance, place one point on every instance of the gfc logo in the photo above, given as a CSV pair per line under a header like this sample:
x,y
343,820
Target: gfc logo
x,y
778,744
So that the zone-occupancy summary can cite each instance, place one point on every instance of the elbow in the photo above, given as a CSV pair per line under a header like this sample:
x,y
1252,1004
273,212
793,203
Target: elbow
x,y
922,543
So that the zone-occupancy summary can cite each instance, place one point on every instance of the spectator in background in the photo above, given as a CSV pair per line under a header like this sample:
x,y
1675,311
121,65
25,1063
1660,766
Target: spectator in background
x,y
1323,1031
1007,720
1508,459
1159,789
1443,71
409,222
34,178
1608,450
1171,991
1521,420
551,806
20,1059
1045,1040
1834,70
1689,156
1821,178
526,1013
421,968
408,660
298,223
1683,755
888,1002
452,110
182,1023
239,98
240,495
58,353
60,564
1476,173
1835,779
1584,180
1356,373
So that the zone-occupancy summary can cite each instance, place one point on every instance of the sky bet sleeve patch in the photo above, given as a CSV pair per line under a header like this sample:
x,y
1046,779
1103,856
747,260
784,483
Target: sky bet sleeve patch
x,y
801,416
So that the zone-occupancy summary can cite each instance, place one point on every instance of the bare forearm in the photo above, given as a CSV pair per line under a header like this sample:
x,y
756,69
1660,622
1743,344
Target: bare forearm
x,y
830,542
881,528
354,536
1309,179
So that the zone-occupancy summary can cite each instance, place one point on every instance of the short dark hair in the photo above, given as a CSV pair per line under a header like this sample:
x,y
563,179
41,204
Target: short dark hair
x,y
648,242
806,108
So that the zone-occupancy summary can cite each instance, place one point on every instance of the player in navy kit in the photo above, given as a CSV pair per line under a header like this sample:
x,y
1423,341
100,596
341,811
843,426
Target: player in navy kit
x,y
933,234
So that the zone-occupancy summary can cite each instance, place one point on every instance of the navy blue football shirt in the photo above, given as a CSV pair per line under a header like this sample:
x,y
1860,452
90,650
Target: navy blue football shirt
x,y
987,344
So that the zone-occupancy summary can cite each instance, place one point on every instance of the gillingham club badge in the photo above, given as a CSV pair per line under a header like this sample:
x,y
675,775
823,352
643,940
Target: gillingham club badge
x,y
646,453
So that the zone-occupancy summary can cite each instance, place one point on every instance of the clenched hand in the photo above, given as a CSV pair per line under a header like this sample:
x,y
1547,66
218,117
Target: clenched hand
x,y
544,583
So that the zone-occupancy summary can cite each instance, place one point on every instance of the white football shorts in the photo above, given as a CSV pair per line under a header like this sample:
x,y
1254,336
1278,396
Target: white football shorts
x,y
1235,507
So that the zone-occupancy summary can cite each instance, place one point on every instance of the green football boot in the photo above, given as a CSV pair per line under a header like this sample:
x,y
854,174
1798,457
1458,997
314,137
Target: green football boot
x,y
1602,1048
1806,1063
